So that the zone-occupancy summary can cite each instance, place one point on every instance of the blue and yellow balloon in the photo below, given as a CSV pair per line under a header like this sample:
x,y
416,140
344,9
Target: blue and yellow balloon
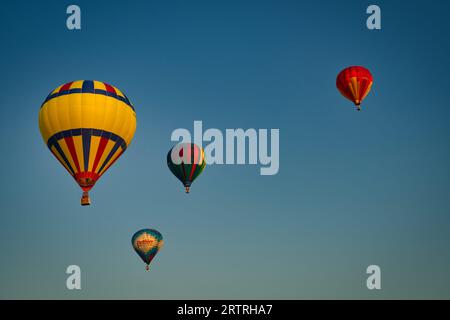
x,y
147,243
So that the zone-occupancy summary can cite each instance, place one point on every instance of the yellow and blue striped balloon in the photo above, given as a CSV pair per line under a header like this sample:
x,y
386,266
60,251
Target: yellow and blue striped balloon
x,y
87,125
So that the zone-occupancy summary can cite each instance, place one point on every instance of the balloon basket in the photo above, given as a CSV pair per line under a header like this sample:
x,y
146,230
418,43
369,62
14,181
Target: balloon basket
x,y
187,189
85,200
147,267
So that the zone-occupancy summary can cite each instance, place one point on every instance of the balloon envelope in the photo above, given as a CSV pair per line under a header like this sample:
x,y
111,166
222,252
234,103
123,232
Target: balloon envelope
x,y
87,125
147,243
354,83
186,161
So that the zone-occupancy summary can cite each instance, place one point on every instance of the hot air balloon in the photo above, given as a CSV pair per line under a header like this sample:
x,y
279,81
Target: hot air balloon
x,y
186,161
87,125
354,83
147,243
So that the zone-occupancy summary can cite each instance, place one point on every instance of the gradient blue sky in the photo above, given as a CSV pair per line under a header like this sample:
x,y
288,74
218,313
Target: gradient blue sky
x,y
354,188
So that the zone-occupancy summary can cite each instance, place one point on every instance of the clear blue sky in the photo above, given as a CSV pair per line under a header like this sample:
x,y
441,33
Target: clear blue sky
x,y
354,188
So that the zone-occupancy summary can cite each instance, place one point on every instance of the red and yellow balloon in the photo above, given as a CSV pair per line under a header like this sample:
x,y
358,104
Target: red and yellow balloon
x,y
354,83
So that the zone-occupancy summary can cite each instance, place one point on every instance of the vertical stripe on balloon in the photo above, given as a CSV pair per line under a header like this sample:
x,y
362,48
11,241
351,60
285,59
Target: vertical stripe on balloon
x,y
110,88
183,171
111,153
194,161
65,87
58,149
88,86
101,148
86,133
73,152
